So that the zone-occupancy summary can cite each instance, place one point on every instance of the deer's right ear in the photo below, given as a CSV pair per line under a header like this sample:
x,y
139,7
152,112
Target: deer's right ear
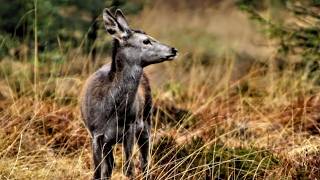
x,y
111,25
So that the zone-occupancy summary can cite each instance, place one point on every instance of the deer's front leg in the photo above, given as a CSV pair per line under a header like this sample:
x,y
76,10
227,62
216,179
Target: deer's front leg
x,y
128,143
143,138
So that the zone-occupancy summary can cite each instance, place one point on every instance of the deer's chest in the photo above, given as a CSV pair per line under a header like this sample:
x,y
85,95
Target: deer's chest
x,y
128,100
135,109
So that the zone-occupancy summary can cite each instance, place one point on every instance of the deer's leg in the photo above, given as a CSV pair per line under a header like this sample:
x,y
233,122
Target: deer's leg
x,y
97,156
128,142
107,163
143,142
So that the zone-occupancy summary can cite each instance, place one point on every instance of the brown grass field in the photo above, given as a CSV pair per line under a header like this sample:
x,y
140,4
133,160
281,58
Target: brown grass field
x,y
222,109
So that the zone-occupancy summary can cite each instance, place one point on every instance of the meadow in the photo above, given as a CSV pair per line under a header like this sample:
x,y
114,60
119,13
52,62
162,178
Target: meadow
x,y
227,108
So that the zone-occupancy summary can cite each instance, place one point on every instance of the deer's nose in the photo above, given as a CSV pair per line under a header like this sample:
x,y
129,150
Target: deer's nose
x,y
174,50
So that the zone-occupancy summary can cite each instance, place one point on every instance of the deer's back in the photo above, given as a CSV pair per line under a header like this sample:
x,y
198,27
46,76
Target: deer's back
x,y
95,98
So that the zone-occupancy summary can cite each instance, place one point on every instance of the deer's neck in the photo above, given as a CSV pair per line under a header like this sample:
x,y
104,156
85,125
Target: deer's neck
x,y
126,78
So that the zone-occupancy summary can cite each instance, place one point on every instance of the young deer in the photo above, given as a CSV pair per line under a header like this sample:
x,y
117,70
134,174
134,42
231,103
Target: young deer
x,y
116,103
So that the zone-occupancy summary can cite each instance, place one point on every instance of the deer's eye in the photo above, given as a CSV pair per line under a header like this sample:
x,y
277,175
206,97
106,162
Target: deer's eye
x,y
146,41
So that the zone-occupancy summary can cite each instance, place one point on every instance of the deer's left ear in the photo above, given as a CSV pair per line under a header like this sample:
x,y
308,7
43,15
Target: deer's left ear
x,y
122,20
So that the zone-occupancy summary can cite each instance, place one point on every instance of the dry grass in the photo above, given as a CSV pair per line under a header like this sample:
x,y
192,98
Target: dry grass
x,y
222,110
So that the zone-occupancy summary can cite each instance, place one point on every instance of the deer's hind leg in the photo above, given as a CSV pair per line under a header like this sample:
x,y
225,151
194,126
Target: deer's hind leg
x,y
97,155
107,163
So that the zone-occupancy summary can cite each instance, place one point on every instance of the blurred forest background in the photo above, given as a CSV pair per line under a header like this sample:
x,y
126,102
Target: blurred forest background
x,y
242,100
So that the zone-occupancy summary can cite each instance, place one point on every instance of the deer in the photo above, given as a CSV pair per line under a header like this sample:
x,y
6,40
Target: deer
x,y
116,101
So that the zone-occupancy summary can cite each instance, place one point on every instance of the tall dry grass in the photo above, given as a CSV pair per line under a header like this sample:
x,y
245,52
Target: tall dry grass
x,y
221,110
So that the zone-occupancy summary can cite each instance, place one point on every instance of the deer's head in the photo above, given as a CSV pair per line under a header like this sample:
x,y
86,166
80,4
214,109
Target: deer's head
x,y
137,47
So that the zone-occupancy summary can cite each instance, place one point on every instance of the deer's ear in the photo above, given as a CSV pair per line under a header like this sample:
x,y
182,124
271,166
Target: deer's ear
x,y
112,26
122,20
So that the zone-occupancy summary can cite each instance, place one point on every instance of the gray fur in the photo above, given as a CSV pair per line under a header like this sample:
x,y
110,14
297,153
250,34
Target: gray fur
x,y
116,101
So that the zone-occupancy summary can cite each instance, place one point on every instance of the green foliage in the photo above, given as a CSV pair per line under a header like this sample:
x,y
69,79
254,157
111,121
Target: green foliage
x,y
240,163
169,115
59,22
196,160
299,39
262,4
